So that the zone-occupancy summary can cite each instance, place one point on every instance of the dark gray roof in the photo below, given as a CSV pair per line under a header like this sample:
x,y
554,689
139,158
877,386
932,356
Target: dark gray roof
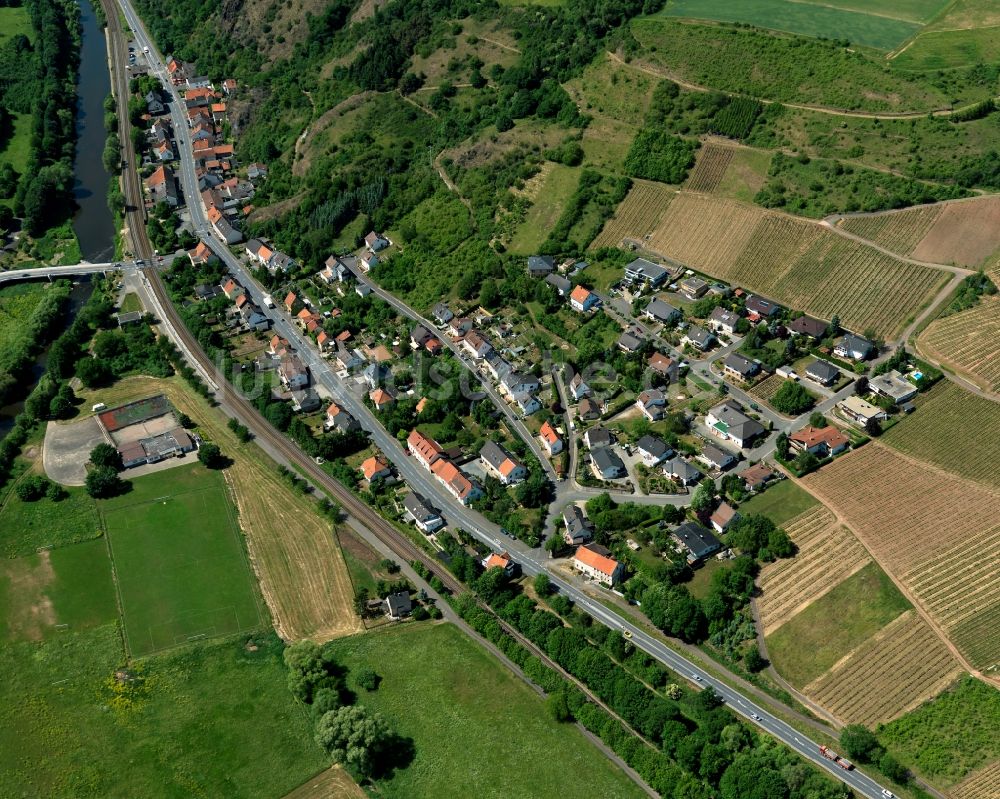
x,y
646,270
562,285
653,445
660,310
743,365
399,604
577,523
629,342
716,455
698,540
681,469
541,264
495,455
822,370
807,326
605,458
761,306
598,436
419,507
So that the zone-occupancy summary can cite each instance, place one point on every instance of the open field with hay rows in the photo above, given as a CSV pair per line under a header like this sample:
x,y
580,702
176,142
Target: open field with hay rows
x,y
899,231
709,169
969,342
954,429
794,262
638,215
891,673
828,553
936,532
981,784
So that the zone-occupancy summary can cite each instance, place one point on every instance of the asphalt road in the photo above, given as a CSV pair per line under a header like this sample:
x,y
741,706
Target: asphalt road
x,y
349,393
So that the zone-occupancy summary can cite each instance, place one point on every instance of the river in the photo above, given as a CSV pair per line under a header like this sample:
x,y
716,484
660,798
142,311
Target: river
x,y
93,223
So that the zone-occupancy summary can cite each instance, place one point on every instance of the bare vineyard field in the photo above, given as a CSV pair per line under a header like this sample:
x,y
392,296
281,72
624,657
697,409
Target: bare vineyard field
x,y
767,388
892,672
965,233
828,554
713,161
638,215
935,531
961,589
981,784
899,507
954,429
969,342
899,231
794,262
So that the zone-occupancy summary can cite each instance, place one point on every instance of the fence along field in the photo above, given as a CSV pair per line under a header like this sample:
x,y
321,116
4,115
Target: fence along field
x,y
968,341
638,215
709,169
828,554
795,262
932,530
894,671
954,429
964,233
981,784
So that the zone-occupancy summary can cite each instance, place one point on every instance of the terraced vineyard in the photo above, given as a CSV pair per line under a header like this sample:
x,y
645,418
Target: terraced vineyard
x,y
892,672
954,429
981,784
935,531
795,262
969,342
962,233
961,589
899,231
828,554
711,166
638,215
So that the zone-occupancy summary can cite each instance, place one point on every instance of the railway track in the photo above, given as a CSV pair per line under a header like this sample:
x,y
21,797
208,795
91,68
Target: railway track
x,y
353,506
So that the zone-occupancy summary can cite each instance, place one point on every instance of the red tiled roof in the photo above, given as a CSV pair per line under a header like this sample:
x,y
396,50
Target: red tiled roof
x,y
579,294
590,558
548,433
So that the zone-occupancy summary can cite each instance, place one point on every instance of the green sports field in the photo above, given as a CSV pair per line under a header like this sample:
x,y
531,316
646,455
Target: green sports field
x,y
867,30
181,570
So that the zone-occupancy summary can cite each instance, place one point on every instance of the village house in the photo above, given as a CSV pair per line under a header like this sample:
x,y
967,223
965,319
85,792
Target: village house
x,y
728,421
697,540
653,404
381,399
662,312
347,359
376,374
681,472
162,187
578,387
698,337
629,342
819,441
756,477
368,261
375,468
442,313
501,464
201,254
642,271
860,412
502,561
807,326
723,321
526,403
740,367
337,418
293,372
496,366
476,345
692,287
305,400
562,286
223,228
598,437
663,366
595,562
582,300
425,449
893,386
459,326
551,440
853,347
758,308
422,513
376,242
579,529
653,450
541,265
716,458
514,383
823,372
458,484
606,464
722,517
398,605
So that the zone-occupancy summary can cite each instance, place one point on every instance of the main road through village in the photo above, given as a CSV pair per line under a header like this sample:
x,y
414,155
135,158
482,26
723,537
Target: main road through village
x,y
349,394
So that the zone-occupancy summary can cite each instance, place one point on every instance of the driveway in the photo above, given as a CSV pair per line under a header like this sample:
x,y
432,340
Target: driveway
x,y
67,448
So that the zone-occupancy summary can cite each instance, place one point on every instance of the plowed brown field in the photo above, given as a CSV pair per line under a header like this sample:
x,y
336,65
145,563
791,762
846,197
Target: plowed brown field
x,y
638,215
981,784
968,341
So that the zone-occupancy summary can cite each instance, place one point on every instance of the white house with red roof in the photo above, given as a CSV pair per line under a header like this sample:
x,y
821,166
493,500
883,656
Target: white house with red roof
x,y
595,562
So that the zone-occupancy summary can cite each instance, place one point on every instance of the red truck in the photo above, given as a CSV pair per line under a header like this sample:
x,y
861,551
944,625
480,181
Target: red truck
x,y
829,754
